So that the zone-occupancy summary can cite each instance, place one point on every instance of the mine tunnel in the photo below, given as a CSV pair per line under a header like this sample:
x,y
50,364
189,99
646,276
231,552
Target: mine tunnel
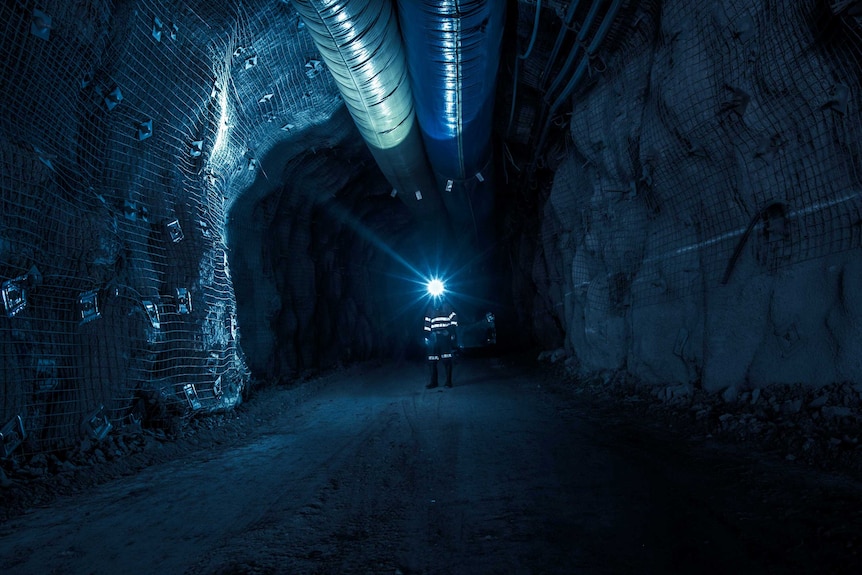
x,y
238,237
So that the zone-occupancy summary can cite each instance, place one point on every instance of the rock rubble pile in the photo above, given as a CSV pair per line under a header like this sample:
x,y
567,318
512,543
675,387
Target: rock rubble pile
x,y
816,426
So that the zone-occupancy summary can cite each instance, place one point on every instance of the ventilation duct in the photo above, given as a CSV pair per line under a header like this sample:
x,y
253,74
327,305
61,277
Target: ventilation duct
x,y
361,45
453,50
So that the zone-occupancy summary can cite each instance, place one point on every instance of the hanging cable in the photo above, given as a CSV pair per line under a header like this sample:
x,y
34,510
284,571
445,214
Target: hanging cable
x,y
567,25
514,97
526,54
520,57
589,51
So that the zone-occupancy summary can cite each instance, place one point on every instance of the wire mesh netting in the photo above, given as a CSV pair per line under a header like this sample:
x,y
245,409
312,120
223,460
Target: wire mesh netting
x,y
734,136
128,130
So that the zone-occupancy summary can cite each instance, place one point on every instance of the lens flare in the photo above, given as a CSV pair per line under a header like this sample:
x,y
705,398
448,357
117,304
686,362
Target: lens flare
x,y
436,287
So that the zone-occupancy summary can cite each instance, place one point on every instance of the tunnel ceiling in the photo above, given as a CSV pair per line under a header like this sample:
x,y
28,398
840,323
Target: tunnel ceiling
x,y
190,208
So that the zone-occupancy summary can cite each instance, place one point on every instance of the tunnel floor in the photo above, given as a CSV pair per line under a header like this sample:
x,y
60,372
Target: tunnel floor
x,y
365,471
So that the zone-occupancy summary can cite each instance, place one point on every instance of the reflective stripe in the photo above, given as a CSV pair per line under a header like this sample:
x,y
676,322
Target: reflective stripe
x,y
446,355
441,322
433,357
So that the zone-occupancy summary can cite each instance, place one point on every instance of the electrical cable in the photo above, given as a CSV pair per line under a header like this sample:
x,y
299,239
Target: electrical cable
x,y
526,54
520,57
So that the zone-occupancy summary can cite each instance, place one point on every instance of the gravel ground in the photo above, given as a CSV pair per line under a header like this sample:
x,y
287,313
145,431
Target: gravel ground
x,y
520,468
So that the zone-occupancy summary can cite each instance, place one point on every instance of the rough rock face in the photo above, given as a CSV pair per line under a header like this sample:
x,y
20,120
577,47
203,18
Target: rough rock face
x,y
129,130
315,287
190,174
705,228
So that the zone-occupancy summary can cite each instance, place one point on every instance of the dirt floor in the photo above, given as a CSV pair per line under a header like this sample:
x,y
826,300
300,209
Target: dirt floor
x,y
512,471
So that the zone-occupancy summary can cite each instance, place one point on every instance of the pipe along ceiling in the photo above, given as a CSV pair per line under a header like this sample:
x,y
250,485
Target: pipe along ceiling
x,y
419,77
419,82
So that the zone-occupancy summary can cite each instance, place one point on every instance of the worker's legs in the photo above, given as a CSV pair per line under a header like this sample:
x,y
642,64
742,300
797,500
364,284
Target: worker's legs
x,y
433,382
433,357
446,355
447,364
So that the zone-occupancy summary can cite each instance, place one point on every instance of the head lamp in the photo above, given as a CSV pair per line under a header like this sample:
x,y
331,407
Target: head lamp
x,y
435,288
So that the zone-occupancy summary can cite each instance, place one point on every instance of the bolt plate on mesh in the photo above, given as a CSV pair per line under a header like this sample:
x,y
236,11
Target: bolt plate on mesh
x,y
145,129
313,68
34,276
96,425
40,25
88,306
113,98
839,94
205,228
152,313
133,212
196,148
157,28
175,231
13,295
184,301
789,339
192,396
11,436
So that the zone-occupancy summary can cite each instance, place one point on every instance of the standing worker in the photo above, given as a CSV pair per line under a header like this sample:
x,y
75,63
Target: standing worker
x,y
441,336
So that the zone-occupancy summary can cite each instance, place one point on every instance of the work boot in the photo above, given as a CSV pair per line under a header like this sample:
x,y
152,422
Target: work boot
x,y
431,385
448,384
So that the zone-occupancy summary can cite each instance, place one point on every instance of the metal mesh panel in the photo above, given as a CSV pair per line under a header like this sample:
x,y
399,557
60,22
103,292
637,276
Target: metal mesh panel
x,y
128,130
746,148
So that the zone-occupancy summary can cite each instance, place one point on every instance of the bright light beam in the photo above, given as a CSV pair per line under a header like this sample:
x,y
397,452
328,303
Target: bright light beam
x,y
436,287
350,220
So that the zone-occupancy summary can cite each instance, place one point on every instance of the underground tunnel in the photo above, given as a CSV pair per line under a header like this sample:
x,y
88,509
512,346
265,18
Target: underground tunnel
x,y
220,222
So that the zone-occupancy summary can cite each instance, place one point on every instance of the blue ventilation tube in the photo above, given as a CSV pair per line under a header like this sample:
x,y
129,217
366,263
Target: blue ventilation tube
x,y
453,50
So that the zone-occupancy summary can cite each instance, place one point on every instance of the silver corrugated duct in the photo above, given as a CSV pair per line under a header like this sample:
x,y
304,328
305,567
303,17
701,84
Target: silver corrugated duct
x,y
360,43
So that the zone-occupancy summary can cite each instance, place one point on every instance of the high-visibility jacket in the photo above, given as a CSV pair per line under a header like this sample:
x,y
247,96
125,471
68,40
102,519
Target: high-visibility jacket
x,y
440,318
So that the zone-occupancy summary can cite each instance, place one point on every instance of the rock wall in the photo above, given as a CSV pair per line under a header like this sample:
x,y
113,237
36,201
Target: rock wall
x,y
316,289
130,130
705,227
